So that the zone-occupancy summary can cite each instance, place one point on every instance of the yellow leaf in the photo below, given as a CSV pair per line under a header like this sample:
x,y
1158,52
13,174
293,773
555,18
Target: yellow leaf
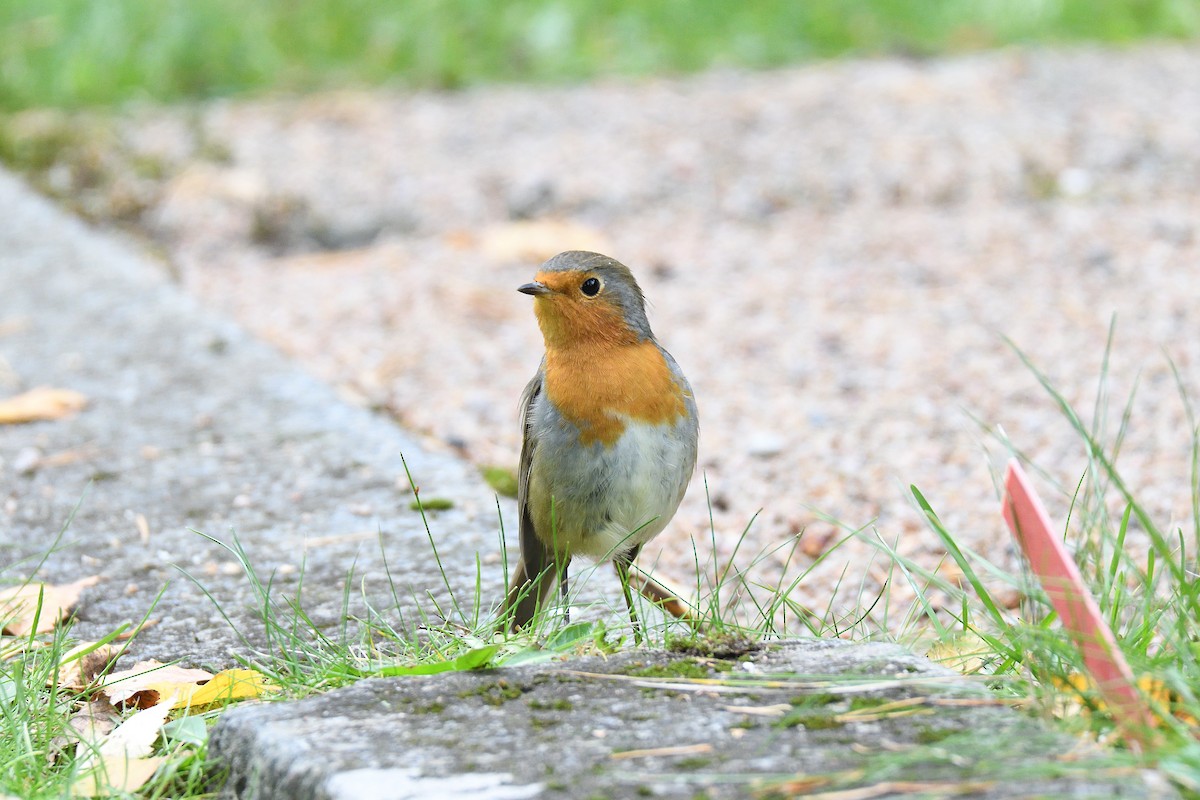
x,y
964,653
1158,692
116,774
42,403
232,684
1080,691
19,605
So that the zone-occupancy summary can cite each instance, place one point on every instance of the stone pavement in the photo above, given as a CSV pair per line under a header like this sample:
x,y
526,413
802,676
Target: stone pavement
x,y
193,425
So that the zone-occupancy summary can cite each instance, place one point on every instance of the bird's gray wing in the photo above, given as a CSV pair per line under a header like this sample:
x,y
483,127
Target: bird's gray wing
x,y
535,573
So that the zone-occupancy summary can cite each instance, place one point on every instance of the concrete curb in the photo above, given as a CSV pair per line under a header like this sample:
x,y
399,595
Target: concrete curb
x,y
814,712
191,424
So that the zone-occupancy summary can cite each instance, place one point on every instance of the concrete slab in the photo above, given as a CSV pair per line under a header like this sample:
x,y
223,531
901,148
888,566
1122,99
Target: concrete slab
x,y
628,726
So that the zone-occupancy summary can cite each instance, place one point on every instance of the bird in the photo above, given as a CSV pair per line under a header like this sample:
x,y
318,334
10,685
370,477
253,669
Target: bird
x,y
609,436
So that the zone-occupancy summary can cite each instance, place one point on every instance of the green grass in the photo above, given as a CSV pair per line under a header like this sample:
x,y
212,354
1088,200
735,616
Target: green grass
x,y
1143,574
82,52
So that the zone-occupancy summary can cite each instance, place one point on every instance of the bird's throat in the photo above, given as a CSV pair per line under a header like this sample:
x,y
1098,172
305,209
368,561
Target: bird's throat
x,y
602,389
567,323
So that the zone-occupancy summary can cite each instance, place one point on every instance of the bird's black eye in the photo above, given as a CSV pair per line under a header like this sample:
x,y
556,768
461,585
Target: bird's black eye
x,y
591,287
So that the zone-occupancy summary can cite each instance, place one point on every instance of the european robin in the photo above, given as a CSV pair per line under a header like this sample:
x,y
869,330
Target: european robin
x,y
610,432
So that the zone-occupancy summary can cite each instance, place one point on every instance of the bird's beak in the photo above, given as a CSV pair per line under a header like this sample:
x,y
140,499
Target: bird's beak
x,y
536,288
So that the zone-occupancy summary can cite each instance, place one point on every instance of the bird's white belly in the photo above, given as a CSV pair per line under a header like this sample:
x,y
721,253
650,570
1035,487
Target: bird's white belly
x,y
607,500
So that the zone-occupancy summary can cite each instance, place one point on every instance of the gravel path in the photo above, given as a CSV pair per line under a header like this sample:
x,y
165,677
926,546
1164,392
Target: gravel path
x,y
833,253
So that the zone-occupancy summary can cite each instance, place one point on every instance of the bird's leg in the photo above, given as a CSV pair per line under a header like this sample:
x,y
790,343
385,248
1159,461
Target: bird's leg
x,y
562,589
621,564
664,598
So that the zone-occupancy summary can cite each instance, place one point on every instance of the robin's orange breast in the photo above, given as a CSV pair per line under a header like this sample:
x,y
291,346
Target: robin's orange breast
x,y
599,389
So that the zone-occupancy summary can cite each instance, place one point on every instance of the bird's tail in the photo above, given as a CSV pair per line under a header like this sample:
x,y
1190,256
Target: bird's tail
x,y
527,592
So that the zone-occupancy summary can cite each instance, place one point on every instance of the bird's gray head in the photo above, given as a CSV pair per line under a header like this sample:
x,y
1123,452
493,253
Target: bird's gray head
x,y
584,296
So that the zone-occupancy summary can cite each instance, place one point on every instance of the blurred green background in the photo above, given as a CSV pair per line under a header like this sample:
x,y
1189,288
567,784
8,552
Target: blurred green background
x,y
72,53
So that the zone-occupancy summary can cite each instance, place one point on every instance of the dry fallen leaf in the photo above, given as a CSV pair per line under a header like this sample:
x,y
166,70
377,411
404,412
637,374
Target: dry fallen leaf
x,y
13,646
802,785
125,636
147,682
952,574
135,737
116,774
143,527
1008,597
65,457
124,763
91,723
78,671
777,710
19,605
42,403
8,327
658,752
814,543
538,240
96,719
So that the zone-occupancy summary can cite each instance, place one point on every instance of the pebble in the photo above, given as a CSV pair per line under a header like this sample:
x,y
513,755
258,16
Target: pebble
x,y
764,445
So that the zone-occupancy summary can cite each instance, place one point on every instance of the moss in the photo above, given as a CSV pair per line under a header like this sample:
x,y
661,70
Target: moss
x,y
861,701
809,720
812,712
494,694
559,704
746,724
502,480
815,700
719,644
432,504
541,723
436,707
683,668
927,735
695,762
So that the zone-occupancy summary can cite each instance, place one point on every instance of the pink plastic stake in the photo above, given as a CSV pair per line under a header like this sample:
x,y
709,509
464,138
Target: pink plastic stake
x,y
1076,607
